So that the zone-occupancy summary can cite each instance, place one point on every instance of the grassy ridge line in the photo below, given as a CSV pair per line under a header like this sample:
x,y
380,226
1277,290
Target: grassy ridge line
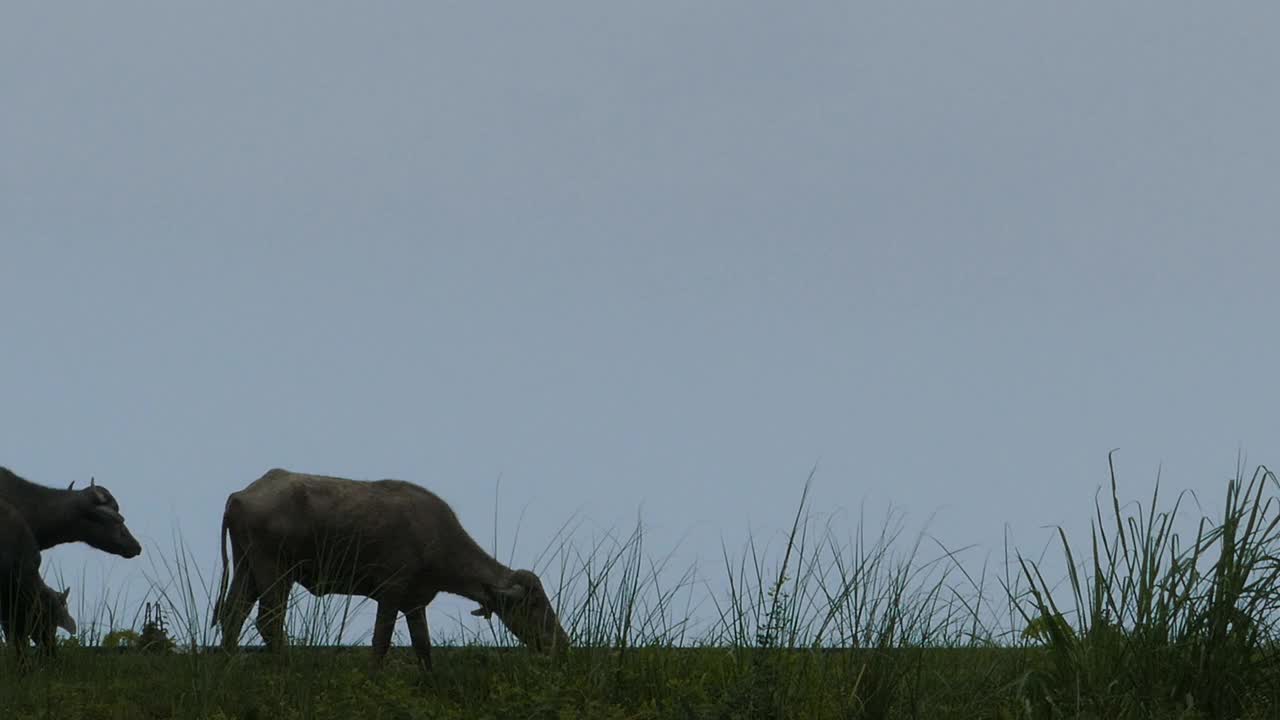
x,y
1146,624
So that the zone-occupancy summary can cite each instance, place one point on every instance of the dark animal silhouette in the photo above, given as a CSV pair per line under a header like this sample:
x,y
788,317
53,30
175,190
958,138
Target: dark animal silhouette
x,y
388,540
90,516
29,609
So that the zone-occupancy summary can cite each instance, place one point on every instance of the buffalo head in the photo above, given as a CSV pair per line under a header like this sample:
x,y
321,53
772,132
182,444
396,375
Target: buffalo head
x,y
100,522
523,606
52,613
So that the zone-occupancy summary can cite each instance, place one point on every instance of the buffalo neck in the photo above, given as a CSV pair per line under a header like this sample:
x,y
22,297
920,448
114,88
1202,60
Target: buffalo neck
x,y
476,572
54,522
49,512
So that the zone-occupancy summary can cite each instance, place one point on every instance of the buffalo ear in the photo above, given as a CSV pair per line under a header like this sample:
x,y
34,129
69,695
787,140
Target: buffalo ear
x,y
109,514
64,595
512,592
501,596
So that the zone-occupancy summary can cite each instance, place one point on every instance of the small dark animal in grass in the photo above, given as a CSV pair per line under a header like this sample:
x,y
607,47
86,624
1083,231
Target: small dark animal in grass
x,y
90,516
29,609
388,540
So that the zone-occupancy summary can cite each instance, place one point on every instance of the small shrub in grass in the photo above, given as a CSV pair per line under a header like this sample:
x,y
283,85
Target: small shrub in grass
x,y
154,637
121,640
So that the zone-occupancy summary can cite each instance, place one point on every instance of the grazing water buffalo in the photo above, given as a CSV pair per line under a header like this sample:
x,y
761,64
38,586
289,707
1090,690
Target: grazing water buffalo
x,y
29,609
56,516
388,540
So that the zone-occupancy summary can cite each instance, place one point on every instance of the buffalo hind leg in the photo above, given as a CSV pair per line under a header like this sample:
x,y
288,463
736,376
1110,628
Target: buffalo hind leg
x,y
420,635
235,608
271,609
383,625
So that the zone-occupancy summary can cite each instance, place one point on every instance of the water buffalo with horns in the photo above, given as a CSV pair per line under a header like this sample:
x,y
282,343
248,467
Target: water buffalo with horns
x,y
29,609
90,515
388,540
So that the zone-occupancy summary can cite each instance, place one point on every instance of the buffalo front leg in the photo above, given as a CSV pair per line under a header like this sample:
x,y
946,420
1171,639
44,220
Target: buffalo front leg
x,y
420,635
20,648
383,625
17,638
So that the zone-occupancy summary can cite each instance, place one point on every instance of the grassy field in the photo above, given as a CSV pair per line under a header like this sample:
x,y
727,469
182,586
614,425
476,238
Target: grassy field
x,y
1148,622
476,682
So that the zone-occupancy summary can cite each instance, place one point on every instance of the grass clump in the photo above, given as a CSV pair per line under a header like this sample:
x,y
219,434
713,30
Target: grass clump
x,y
1164,626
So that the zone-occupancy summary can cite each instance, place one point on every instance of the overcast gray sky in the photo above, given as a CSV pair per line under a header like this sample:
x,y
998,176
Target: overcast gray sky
x,y
660,256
